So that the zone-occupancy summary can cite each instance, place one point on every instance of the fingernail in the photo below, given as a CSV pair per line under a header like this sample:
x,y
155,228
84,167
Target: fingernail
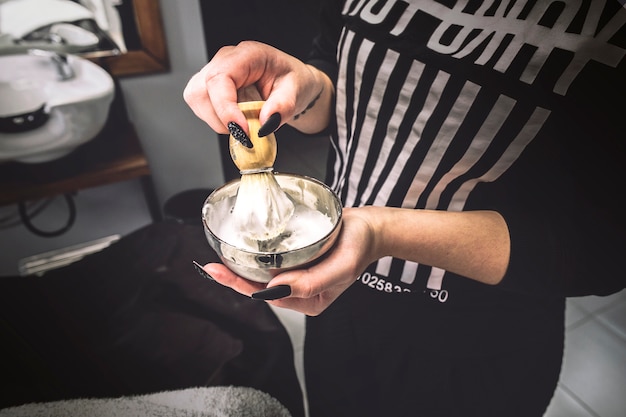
x,y
202,272
272,293
270,125
237,132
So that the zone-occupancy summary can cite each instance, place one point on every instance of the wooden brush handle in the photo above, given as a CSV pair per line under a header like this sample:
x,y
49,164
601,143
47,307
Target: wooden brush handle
x,y
262,154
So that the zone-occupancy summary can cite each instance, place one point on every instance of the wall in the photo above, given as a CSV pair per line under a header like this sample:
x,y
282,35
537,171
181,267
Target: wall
x,y
182,150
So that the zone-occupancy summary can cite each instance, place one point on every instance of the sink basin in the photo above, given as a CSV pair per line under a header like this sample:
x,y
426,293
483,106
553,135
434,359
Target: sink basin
x,y
50,104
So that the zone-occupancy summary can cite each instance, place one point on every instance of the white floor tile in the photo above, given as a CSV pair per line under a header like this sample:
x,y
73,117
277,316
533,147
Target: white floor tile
x,y
615,318
574,314
594,368
594,304
294,323
564,405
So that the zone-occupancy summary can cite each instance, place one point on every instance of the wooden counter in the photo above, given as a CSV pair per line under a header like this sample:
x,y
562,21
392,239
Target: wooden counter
x,y
114,155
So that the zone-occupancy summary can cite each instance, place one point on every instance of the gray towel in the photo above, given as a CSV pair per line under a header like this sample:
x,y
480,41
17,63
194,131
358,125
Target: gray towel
x,y
198,402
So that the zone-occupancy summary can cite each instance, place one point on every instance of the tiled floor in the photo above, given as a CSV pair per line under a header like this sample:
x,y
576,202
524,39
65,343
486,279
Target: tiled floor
x,y
593,378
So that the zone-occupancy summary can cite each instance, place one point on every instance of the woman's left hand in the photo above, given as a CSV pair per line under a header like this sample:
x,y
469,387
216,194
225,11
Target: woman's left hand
x,y
313,289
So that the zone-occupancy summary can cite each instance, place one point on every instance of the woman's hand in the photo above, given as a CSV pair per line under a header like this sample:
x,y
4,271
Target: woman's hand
x,y
287,84
315,288
474,244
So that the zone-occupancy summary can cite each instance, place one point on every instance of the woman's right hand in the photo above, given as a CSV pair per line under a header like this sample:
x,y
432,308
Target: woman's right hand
x,y
287,85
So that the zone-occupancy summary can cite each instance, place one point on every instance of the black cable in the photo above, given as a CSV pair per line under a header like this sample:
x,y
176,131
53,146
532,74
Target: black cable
x,y
13,219
26,219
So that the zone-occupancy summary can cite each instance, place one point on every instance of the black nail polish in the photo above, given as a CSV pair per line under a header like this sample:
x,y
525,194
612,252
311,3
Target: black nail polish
x,y
201,271
237,132
272,293
270,125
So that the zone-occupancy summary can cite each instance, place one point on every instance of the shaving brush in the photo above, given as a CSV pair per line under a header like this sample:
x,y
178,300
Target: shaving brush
x,y
250,153
262,209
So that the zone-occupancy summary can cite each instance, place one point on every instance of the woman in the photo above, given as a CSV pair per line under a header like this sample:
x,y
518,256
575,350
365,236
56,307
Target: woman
x,y
471,143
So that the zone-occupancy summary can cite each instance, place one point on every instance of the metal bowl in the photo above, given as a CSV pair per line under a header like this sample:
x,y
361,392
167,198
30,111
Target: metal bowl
x,y
262,266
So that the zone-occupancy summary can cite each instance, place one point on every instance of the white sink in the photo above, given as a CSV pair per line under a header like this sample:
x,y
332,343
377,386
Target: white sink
x,y
43,116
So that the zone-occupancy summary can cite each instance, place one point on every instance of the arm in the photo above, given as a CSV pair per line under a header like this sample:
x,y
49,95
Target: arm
x,y
474,244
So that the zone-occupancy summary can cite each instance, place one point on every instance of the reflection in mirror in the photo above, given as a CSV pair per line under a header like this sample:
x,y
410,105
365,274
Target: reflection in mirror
x,y
124,36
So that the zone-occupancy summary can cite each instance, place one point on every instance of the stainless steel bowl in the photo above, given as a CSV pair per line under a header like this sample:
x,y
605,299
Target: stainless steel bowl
x,y
263,266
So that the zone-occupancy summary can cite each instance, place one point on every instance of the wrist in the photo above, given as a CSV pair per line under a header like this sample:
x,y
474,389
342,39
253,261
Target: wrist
x,y
317,111
310,105
377,221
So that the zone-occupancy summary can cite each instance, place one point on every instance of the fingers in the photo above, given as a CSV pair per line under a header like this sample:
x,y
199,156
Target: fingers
x,y
222,275
314,289
271,75
280,295
311,290
212,93
214,101
311,293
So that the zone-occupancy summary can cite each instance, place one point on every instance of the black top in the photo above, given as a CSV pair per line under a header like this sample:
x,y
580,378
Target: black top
x,y
466,106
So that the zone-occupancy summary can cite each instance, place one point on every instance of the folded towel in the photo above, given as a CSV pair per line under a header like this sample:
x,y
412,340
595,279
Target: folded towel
x,y
220,401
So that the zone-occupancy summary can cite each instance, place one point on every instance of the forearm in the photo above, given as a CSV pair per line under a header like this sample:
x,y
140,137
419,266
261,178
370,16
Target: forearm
x,y
474,244
316,116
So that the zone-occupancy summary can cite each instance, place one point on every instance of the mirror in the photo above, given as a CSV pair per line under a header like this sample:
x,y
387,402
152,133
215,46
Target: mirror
x,y
124,36
150,56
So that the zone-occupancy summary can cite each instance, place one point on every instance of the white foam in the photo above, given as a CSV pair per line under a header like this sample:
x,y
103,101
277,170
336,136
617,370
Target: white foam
x,y
305,227
262,209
